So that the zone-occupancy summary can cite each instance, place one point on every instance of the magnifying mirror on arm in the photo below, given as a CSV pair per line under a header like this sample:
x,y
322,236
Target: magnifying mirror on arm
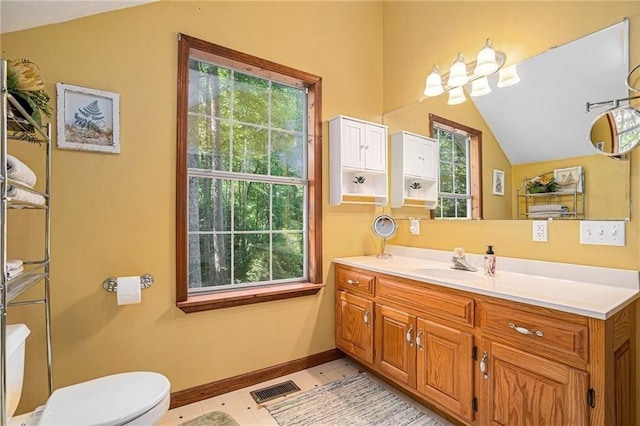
x,y
384,227
616,132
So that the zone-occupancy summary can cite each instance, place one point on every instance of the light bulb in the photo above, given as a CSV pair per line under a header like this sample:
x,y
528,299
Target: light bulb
x,y
458,73
486,63
433,85
480,87
456,96
508,76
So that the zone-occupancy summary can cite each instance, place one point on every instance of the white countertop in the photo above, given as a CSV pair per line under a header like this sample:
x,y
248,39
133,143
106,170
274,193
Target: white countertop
x,y
585,290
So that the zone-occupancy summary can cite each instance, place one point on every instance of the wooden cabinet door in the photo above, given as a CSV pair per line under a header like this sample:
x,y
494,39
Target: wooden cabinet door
x,y
354,323
375,147
445,367
523,389
395,351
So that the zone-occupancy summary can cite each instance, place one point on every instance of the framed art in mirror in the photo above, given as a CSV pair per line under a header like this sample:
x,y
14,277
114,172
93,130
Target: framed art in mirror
x,y
498,182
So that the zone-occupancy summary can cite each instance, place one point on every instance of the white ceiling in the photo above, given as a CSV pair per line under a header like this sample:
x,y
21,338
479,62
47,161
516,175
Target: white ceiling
x,y
544,116
18,15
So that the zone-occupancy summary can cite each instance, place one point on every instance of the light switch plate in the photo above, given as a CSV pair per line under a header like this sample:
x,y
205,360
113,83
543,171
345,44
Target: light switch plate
x,y
603,232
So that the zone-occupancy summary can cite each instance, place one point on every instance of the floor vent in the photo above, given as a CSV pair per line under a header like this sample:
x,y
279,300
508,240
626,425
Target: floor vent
x,y
275,391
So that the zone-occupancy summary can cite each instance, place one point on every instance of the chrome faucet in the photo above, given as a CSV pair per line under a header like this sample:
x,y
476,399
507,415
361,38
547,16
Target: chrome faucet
x,y
460,262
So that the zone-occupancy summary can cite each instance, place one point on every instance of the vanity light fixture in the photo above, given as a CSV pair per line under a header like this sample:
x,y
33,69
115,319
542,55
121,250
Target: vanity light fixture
x,y
487,63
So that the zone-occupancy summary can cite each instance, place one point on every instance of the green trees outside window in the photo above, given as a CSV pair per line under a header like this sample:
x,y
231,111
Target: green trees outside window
x,y
454,194
247,179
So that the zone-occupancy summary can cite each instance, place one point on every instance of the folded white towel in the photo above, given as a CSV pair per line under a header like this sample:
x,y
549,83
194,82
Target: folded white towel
x,y
13,264
19,171
24,195
548,208
546,215
15,272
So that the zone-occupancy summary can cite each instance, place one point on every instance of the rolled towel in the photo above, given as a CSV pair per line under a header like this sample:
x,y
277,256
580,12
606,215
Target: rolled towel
x,y
19,171
13,264
24,195
14,273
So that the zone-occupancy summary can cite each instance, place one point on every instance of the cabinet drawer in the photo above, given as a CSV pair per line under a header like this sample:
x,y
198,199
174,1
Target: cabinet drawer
x,y
354,280
535,332
442,304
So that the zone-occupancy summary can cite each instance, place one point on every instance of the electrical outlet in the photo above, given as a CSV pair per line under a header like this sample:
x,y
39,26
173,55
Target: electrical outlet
x,y
607,233
540,230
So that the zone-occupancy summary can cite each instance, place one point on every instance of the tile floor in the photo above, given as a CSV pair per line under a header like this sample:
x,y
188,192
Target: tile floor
x,y
241,406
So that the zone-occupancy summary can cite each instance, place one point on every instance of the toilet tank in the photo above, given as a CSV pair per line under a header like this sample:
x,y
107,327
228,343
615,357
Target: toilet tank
x,y
16,337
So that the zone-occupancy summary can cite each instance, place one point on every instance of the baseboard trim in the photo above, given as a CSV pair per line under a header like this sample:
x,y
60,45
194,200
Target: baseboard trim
x,y
209,390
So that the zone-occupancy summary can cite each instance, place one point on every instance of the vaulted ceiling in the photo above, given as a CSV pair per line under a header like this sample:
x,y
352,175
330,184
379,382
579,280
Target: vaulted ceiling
x,y
18,15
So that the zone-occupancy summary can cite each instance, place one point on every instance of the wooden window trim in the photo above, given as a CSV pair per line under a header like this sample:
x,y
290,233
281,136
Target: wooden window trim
x,y
190,46
475,141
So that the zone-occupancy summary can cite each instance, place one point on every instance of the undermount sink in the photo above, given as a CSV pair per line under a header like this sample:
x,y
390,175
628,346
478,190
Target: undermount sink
x,y
447,274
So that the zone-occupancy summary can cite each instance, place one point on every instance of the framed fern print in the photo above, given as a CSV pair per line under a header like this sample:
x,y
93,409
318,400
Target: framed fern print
x,y
88,119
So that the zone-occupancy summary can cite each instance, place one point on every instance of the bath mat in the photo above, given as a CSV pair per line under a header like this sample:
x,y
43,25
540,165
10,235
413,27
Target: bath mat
x,y
215,418
356,400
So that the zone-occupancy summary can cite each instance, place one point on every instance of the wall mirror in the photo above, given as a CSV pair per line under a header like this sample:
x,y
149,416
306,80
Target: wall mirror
x,y
541,124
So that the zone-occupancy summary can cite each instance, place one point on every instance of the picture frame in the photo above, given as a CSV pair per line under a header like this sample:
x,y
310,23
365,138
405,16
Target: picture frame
x,y
88,119
498,182
569,179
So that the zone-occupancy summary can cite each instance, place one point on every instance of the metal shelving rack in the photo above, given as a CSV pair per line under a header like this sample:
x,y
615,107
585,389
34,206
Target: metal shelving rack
x,y
34,271
574,197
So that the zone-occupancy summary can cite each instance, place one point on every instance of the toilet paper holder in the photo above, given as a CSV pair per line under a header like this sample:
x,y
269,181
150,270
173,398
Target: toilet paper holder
x,y
111,283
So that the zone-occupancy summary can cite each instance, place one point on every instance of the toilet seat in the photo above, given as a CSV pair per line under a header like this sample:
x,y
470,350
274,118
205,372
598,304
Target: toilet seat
x,y
107,401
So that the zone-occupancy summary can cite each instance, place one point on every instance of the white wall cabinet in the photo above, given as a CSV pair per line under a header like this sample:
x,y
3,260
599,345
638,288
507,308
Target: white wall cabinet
x,y
357,148
414,158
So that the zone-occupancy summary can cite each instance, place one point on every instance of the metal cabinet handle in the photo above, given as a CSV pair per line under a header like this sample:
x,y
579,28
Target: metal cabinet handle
x,y
409,335
366,318
523,330
483,365
419,339
352,282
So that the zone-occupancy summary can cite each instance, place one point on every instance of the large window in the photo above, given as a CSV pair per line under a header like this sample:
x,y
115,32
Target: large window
x,y
459,195
248,183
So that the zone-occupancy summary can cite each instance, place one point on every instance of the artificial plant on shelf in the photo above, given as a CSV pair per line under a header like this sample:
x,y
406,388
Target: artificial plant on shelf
x,y
25,84
415,185
358,183
541,184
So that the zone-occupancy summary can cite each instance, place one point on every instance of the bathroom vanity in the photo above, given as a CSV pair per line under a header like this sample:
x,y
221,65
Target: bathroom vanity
x,y
515,349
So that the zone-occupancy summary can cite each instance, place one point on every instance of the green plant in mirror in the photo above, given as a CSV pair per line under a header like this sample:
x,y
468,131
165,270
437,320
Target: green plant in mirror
x,y
541,184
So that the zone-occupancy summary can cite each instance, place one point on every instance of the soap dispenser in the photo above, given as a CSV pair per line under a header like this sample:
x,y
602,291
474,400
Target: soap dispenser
x,y
490,262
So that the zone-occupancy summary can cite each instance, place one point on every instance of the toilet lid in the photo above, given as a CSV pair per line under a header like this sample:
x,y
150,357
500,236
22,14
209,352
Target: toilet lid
x,y
109,401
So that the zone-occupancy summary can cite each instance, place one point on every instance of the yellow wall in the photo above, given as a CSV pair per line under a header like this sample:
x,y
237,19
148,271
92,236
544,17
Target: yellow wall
x,y
606,184
113,215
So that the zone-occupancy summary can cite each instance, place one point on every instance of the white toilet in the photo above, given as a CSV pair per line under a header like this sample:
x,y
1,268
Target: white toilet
x,y
137,398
